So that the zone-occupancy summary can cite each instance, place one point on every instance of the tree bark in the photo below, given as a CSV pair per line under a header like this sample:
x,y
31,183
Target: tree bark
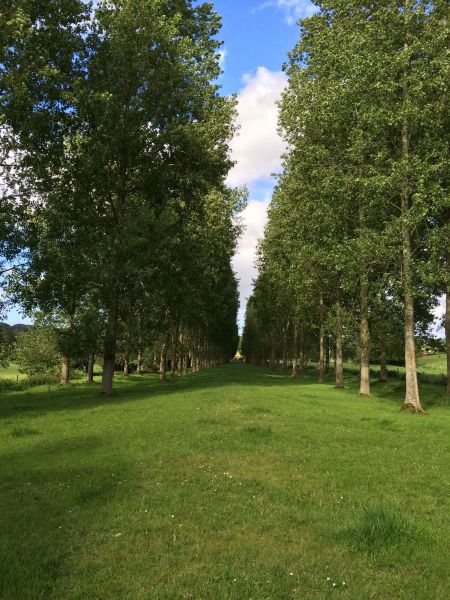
x,y
364,336
162,363
285,330
412,398
139,362
65,370
126,364
302,356
294,353
339,361
109,352
173,362
383,364
272,353
90,368
327,354
321,342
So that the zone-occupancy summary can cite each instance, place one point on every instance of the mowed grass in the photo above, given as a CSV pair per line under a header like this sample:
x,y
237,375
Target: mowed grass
x,y
236,483
433,364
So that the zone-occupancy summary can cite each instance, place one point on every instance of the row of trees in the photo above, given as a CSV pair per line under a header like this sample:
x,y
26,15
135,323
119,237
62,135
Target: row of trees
x,y
357,249
120,228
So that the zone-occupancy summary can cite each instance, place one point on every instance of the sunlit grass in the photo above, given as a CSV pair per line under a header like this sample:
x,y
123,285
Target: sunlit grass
x,y
237,483
11,372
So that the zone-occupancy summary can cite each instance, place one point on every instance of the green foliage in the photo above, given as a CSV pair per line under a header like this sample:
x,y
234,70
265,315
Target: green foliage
x,y
36,351
5,351
120,143
354,254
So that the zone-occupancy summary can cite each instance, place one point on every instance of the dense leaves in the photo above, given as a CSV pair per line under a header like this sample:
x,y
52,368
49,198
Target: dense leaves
x,y
118,140
358,227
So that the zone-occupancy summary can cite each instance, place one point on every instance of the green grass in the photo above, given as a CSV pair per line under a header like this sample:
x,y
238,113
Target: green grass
x,y
435,364
11,372
232,484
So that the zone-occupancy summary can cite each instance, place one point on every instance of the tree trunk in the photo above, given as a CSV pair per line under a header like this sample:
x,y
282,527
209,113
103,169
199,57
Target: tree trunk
x,y
90,368
126,364
162,363
109,352
339,360
321,343
364,338
327,354
173,362
412,398
294,353
302,357
383,364
139,362
272,353
65,370
285,330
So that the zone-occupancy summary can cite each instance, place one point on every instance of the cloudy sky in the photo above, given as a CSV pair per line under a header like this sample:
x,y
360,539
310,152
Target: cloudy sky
x,y
257,37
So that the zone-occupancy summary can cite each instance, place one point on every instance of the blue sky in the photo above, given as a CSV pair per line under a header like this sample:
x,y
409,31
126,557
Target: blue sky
x,y
257,38
254,36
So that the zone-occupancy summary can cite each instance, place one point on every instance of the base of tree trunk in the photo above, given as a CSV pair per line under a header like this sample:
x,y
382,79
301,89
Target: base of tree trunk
x,y
90,368
409,407
65,371
108,375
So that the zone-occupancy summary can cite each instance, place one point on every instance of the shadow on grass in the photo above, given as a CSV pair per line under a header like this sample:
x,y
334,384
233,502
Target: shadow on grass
x,y
53,506
37,401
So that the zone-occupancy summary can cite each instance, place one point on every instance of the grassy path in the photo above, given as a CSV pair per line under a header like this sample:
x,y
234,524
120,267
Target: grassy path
x,y
232,484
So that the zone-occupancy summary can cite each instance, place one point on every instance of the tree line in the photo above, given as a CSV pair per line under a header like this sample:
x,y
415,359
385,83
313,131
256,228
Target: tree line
x,y
117,227
356,253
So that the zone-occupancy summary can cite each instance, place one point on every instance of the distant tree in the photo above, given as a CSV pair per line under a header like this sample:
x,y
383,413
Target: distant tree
x,y
36,351
4,350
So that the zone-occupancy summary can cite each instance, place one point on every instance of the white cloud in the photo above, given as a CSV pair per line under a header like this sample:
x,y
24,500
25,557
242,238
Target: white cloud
x,y
439,309
257,148
438,313
223,58
292,9
255,218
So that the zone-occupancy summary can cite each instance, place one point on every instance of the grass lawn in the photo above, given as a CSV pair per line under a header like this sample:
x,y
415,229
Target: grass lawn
x,y
434,364
11,372
236,483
